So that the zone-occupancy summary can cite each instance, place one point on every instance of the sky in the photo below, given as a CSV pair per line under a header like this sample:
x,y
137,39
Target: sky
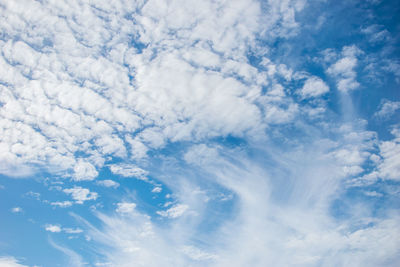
x,y
199,133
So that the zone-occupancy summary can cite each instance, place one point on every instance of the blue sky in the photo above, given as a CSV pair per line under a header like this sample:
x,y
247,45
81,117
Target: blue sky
x,y
199,133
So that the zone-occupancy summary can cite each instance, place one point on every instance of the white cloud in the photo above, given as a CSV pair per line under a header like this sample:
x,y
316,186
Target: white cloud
x,y
108,183
58,229
282,208
80,195
65,97
387,108
343,69
389,168
376,33
314,87
71,108
53,228
156,189
128,171
16,210
6,261
62,204
174,212
72,230
125,207
84,171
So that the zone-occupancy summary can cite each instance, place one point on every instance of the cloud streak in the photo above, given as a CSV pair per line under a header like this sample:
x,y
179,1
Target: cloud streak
x,y
208,144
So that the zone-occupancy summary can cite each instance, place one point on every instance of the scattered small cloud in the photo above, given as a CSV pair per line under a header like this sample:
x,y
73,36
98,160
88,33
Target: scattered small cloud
x,y
62,204
125,207
156,190
174,212
314,87
16,210
80,195
387,108
129,171
108,183
56,228
72,230
343,70
53,228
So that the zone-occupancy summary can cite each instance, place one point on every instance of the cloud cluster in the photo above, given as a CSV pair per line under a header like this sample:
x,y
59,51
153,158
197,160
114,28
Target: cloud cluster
x,y
343,70
387,109
58,229
125,207
314,87
281,215
79,194
92,85
93,82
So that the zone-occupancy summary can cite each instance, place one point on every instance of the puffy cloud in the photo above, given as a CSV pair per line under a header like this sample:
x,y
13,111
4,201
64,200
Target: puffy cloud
x,y
84,171
65,97
53,228
314,87
149,73
387,108
80,195
389,168
343,69
125,207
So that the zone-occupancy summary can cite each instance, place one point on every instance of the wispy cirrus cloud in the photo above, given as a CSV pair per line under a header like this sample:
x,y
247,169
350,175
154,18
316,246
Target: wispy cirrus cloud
x,y
244,141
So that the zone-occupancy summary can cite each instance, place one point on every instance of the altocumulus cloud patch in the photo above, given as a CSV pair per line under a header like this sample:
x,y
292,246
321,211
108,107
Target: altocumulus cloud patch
x,y
199,133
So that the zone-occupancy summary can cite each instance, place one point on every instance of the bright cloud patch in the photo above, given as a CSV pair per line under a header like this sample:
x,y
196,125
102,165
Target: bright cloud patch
x,y
80,195
387,108
199,133
174,212
62,204
53,228
16,210
10,262
314,87
125,207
